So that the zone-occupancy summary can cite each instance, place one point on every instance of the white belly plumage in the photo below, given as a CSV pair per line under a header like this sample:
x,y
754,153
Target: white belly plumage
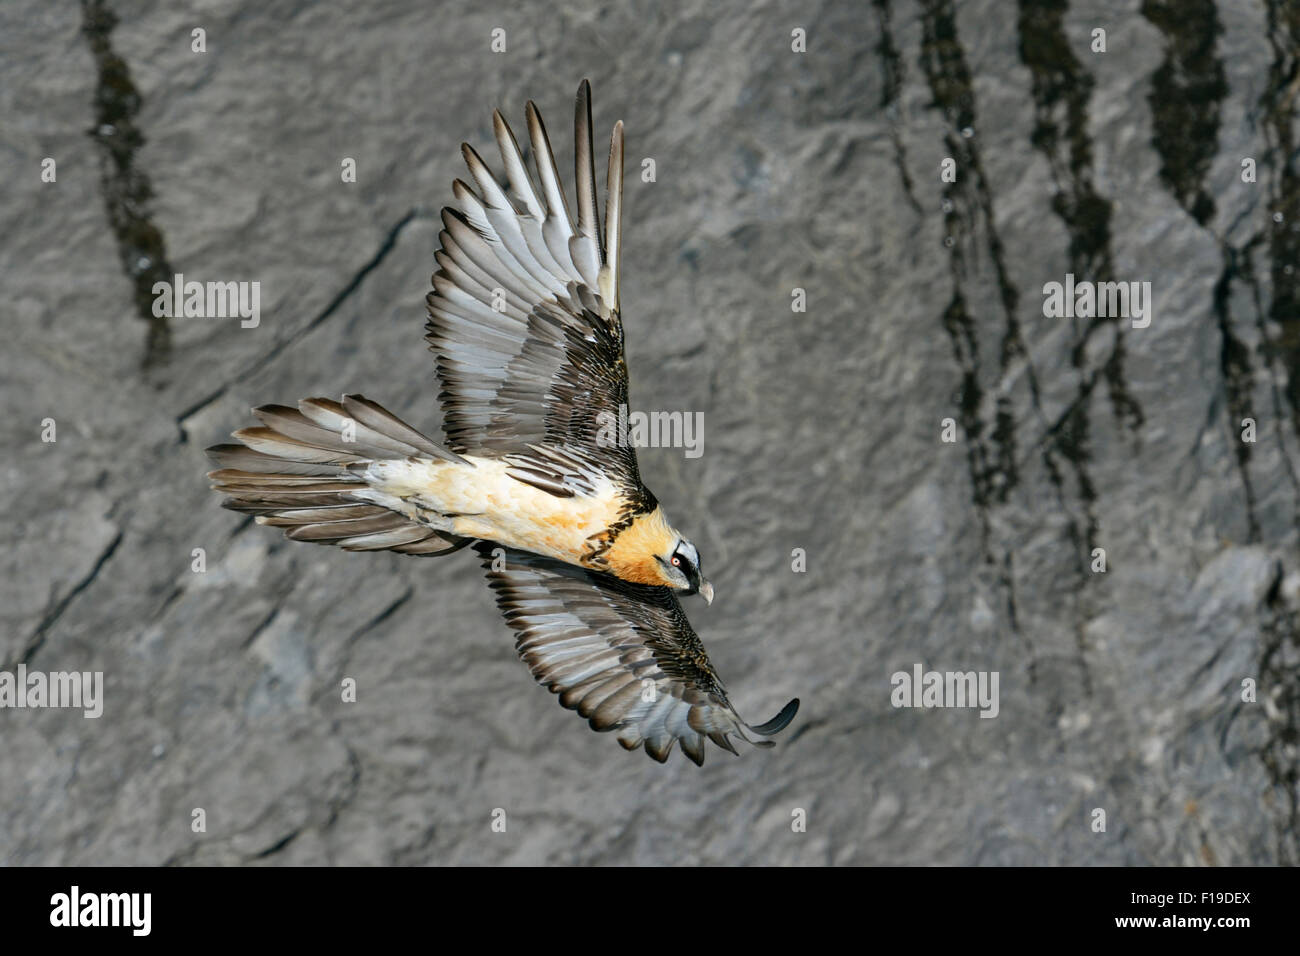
x,y
483,501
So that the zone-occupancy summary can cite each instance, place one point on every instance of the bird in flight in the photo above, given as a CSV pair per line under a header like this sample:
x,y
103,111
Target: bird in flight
x,y
525,324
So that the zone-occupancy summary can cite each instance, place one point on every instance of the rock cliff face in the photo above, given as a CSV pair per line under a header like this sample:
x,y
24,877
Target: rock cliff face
x,y
1077,442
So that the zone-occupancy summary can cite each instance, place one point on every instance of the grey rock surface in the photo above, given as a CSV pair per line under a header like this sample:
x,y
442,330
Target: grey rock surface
x,y
1120,690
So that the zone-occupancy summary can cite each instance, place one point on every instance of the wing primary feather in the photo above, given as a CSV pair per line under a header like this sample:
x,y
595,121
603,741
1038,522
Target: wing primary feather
x,y
693,747
613,219
557,204
585,165
516,171
558,227
659,747
780,721
723,741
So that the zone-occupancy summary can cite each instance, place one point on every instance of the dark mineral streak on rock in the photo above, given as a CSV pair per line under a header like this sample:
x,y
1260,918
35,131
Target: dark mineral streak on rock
x,y
968,397
968,205
892,65
1061,89
1238,378
1243,270
1279,671
1279,105
1187,91
1280,680
126,188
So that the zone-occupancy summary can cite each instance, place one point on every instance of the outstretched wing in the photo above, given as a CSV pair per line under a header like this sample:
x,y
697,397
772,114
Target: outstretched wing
x,y
524,313
622,655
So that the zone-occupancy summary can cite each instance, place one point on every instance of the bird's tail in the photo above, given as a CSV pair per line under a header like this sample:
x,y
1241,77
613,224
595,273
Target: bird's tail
x,y
304,470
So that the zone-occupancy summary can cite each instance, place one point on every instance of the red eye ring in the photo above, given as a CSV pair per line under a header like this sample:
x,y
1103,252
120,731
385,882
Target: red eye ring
x,y
677,562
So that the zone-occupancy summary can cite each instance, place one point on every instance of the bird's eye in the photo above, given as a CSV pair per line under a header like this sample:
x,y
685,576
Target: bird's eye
x,y
677,562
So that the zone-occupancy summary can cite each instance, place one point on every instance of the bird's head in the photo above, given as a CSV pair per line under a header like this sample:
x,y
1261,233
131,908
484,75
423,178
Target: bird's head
x,y
650,550
680,568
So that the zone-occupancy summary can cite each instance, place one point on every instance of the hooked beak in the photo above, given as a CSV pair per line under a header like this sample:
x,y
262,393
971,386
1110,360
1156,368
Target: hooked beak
x,y
706,591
